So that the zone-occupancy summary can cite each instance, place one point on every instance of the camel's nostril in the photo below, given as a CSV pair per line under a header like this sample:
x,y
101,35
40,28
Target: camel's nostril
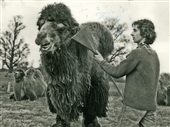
x,y
37,41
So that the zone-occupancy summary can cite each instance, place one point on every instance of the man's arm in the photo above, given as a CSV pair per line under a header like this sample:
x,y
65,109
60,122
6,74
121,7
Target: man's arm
x,y
125,67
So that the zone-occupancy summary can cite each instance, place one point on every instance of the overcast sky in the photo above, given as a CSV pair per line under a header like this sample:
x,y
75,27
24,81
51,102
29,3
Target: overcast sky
x,y
127,12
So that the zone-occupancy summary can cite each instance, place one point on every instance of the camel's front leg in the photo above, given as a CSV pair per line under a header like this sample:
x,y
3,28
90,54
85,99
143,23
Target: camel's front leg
x,y
60,122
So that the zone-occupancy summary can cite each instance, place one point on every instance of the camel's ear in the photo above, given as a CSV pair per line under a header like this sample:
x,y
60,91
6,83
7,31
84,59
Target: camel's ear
x,y
75,29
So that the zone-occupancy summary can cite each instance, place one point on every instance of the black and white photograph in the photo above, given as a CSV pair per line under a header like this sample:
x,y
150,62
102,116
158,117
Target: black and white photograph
x,y
84,63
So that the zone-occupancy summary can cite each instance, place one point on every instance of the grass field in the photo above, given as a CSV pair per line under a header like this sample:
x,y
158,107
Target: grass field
x,y
37,114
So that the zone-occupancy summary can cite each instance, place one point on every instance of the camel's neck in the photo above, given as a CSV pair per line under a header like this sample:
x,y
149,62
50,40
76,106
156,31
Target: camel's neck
x,y
61,67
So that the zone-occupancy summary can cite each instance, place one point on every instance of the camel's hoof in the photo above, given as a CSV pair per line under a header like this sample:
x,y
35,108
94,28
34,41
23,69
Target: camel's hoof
x,y
93,124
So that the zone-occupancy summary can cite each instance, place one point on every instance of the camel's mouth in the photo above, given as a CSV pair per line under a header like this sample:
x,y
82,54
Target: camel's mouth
x,y
45,46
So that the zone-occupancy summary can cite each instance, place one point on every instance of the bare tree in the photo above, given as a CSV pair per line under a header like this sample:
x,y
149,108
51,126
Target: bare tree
x,y
14,50
0,52
123,44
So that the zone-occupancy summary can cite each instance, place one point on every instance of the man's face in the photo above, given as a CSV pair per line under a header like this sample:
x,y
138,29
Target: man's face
x,y
136,34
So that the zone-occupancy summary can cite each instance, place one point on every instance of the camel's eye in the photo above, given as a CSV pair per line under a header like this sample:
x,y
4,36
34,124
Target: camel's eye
x,y
61,27
52,34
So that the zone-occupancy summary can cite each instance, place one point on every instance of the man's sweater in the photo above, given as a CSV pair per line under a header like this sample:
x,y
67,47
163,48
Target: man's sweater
x,y
141,68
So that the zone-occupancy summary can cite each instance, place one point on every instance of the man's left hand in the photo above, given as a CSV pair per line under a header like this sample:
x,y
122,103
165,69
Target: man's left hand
x,y
98,57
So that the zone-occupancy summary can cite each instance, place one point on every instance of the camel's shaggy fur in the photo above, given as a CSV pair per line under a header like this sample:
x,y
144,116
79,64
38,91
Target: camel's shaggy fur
x,y
75,81
34,85
40,78
163,94
18,89
168,95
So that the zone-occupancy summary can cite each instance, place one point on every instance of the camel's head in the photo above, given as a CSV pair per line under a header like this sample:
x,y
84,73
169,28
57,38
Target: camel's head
x,y
38,74
30,72
19,75
51,36
56,25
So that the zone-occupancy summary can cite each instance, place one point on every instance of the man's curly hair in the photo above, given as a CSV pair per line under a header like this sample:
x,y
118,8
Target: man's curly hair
x,y
147,30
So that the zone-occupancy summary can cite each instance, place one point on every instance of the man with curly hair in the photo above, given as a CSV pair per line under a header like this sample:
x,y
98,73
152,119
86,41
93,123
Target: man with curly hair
x,y
141,68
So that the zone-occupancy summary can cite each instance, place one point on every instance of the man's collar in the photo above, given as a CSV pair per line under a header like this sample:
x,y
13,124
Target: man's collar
x,y
143,45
